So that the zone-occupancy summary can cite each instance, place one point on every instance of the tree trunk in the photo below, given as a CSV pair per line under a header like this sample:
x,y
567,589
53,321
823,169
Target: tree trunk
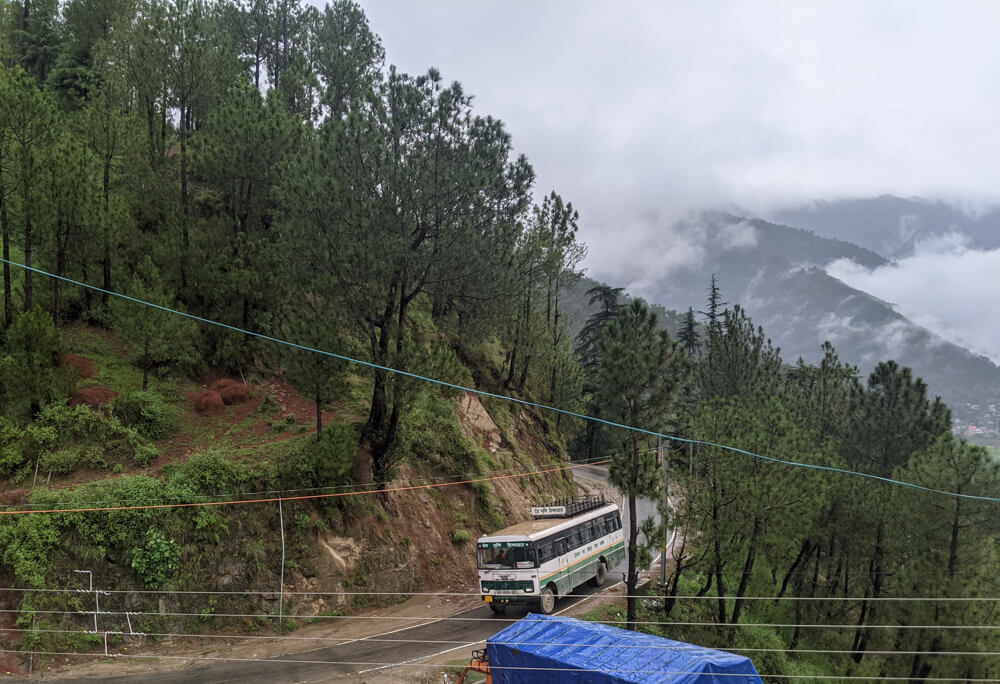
x,y
955,527
671,598
798,626
60,271
747,571
107,231
5,226
27,245
632,579
379,430
161,143
512,358
803,556
145,364
185,237
319,416
867,608
720,586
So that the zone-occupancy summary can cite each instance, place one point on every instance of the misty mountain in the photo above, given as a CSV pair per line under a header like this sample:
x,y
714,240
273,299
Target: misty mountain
x,y
776,272
893,225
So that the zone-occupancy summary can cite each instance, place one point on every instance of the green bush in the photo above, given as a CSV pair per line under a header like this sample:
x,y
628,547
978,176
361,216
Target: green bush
x,y
323,462
59,426
146,412
12,455
157,560
59,462
431,437
460,537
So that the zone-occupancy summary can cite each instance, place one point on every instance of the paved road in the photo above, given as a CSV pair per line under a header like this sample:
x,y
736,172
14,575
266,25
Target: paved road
x,y
644,509
458,633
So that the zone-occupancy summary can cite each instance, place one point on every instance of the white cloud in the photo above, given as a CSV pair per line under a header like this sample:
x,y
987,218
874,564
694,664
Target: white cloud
x,y
734,236
834,328
673,107
945,287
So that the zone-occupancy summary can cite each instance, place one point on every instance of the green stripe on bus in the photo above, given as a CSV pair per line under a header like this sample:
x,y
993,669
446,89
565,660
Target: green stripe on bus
x,y
557,575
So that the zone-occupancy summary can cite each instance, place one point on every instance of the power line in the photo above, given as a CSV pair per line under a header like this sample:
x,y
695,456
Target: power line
x,y
301,497
495,668
271,492
494,619
523,402
652,597
678,647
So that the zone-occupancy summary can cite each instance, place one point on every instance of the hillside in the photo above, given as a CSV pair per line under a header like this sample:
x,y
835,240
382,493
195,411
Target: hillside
x,y
260,445
776,273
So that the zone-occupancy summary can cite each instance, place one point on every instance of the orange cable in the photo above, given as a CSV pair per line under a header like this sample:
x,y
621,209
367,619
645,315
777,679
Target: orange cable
x,y
294,498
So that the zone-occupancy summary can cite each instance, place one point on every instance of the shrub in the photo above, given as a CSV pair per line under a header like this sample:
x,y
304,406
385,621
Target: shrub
x,y
59,426
221,383
325,461
12,455
93,396
234,394
209,403
59,462
157,561
147,412
460,537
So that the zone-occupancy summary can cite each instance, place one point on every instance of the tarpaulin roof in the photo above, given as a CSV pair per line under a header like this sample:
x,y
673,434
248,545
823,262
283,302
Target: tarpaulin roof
x,y
546,648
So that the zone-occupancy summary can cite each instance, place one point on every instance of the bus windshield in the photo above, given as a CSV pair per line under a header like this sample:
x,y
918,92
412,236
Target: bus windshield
x,y
506,556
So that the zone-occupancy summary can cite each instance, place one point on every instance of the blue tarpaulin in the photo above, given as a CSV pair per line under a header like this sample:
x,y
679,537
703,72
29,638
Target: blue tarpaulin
x,y
548,649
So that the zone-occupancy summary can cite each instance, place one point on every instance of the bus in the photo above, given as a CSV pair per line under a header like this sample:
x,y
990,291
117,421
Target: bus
x,y
564,545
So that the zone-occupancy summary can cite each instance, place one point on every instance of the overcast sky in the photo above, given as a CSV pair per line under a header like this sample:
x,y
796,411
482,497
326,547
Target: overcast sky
x,y
639,112
631,106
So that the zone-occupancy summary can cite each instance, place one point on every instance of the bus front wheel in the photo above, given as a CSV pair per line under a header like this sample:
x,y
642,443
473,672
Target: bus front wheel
x,y
499,608
547,601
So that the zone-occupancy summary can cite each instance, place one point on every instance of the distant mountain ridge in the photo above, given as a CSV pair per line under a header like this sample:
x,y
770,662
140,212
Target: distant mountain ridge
x,y
892,225
776,272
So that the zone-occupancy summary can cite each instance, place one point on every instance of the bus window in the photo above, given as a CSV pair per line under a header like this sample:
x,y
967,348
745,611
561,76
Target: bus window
x,y
546,552
613,521
574,538
503,557
600,529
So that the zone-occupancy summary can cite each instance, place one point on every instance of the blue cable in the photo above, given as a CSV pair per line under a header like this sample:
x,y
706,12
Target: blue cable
x,y
523,402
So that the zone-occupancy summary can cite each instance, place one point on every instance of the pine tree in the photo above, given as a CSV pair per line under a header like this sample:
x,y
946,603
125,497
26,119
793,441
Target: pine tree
x,y
715,304
589,352
159,337
642,371
28,361
688,335
312,323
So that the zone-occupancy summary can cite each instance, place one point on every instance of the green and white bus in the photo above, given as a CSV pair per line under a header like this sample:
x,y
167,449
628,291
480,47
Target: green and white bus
x,y
563,545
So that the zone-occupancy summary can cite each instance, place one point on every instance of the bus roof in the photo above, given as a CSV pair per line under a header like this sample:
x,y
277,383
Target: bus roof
x,y
542,527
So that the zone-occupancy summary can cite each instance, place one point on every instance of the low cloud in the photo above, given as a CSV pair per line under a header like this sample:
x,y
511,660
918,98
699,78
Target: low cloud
x,y
740,235
649,248
944,287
